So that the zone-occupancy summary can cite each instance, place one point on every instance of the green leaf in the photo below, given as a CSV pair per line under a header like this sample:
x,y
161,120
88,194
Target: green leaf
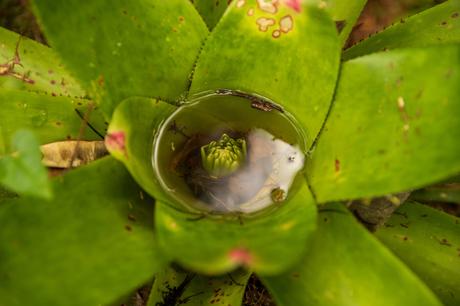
x,y
437,25
28,65
345,14
393,126
130,138
175,287
440,193
428,241
51,118
453,179
124,49
345,265
297,70
211,10
6,194
22,171
89,246
267,244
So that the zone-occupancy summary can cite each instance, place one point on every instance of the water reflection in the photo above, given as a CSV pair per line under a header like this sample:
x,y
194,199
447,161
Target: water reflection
x,y
269,172
273,155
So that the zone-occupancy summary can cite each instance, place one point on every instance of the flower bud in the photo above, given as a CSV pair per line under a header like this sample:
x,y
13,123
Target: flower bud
x,y
223,157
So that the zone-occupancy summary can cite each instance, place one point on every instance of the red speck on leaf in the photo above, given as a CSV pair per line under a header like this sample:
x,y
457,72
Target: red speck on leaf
x,y
100,81
337,165
240,256
295,5
115,141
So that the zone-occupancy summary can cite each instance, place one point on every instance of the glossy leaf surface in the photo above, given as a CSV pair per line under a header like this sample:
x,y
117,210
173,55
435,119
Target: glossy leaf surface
x,y
22,171
449,192
28,65
173,286
267,244
92,244
289,54
123,49
345,266
437,25
428,241
130,138
393,126
51,118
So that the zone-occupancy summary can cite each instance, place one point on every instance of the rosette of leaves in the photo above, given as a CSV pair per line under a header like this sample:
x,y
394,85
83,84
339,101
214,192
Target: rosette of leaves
x,y
380,118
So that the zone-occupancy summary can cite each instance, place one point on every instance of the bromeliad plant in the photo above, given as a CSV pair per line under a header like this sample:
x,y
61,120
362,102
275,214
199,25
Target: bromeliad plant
x,y
252,131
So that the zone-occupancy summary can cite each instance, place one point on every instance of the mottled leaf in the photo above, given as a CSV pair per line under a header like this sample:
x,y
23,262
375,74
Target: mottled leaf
x,y
428,241
290,57
437,25
344,266
29,65
123,49
89,246
393,126
22,170
267,244
174,286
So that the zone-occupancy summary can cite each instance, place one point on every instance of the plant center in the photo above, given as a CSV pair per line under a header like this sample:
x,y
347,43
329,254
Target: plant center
x,y
229,152
223,157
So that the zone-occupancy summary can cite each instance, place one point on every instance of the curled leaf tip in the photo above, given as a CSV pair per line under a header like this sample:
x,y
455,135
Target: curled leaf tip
x,y
241,256
296,5
115,141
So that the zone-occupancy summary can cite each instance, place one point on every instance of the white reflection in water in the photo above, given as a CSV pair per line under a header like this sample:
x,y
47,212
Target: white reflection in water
x,y
270,170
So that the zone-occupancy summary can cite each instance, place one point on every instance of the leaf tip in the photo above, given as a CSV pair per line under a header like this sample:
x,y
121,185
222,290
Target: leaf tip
x,y
295,5
240,256
116,141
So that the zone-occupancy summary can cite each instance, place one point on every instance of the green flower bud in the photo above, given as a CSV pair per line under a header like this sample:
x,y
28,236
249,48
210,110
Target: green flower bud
x,y
223,157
